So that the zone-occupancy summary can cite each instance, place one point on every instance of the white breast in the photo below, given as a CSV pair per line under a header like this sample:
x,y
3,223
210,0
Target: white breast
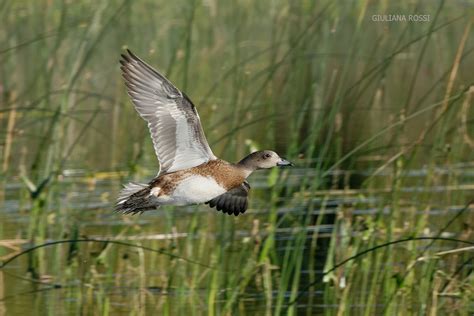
x,y
193,190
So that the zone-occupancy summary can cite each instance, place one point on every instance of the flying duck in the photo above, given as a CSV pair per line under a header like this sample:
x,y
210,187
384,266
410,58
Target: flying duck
x,y
189,172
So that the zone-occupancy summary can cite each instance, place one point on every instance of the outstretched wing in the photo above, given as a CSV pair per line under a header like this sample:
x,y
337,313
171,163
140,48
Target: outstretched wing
x,y
174,123
233,201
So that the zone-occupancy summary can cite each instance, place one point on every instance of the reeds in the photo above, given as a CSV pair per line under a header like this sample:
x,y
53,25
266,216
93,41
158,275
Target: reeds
x,y
376,116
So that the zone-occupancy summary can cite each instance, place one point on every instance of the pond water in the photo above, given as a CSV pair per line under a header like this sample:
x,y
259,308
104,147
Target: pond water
x,y
198,244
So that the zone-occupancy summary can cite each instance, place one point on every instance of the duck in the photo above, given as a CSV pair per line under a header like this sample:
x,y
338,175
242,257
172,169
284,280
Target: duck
x,y
189,171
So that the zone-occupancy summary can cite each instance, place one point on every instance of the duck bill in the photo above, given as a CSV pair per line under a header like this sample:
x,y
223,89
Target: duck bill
x,y
284,163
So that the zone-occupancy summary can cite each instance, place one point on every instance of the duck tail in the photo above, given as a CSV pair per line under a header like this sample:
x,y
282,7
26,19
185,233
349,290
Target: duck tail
x,y
134,198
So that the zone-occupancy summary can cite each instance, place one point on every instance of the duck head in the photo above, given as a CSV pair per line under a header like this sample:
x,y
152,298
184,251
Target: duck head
x,y
264,159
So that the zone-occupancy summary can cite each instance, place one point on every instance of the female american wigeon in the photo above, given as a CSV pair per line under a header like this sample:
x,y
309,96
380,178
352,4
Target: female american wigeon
x,y
189,173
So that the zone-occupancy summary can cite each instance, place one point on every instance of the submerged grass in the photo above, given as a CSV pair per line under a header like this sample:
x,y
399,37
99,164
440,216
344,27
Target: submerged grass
x,y
374,114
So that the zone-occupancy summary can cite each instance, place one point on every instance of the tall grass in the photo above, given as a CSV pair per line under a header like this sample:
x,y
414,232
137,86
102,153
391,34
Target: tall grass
x,y
375,115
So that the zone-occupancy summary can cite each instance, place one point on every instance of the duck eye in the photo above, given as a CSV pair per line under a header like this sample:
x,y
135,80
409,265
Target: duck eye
x,y
266,156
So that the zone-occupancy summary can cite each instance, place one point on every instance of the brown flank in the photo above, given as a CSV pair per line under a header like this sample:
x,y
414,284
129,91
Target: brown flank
x,y
227,175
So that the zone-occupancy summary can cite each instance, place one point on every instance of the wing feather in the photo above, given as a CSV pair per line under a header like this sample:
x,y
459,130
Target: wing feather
x,y
174,124
234,201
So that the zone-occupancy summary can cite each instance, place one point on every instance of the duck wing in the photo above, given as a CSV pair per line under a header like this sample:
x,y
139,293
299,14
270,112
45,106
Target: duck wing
x,y
233,201
174,124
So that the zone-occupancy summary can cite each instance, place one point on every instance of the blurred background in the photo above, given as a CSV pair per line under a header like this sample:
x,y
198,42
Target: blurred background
x,y
371,100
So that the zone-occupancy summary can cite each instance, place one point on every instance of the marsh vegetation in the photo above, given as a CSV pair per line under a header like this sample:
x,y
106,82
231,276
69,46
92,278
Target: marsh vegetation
x,y
375,218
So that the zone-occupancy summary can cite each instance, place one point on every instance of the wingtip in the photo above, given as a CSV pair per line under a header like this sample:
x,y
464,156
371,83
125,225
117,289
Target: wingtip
x,y
124,60
131,54
128,56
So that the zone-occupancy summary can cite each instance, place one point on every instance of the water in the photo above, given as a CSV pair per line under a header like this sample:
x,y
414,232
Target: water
x,y
117,275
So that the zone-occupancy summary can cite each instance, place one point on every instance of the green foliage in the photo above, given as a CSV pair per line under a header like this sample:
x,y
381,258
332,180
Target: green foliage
x,y
375,115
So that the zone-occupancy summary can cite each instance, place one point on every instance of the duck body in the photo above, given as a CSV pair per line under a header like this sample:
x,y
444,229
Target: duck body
x,y
195,185
191,189
189,171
